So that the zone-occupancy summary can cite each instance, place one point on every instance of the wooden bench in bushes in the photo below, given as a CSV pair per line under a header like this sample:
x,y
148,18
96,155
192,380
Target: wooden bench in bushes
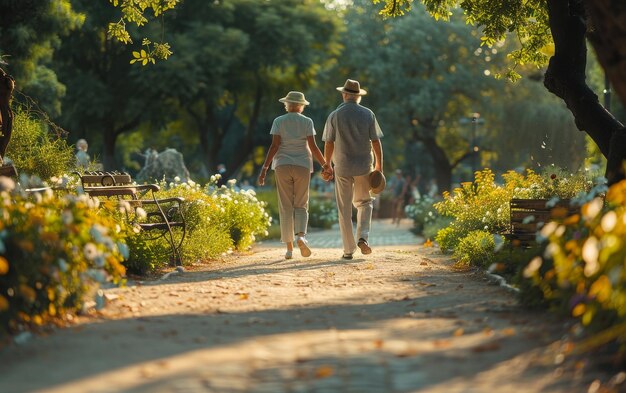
x,y
529,215
164,218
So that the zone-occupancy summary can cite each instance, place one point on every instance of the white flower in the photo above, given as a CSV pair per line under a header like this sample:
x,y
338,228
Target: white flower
x,y
532,267
609,221
177,179
590,255
90,251
141,213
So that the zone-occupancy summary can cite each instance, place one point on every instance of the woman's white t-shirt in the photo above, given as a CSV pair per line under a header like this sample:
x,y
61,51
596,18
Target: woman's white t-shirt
x,y
293,128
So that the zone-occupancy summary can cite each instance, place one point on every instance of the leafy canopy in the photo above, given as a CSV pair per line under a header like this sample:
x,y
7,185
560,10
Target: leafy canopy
x,y
134,11
527,21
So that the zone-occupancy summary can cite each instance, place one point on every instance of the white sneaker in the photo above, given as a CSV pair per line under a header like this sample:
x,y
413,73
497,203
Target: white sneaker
x,y
304,246
289,254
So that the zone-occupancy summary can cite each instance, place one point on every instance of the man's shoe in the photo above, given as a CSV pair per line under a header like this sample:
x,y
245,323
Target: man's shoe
x,y
289,254
346,256
365,248
304,246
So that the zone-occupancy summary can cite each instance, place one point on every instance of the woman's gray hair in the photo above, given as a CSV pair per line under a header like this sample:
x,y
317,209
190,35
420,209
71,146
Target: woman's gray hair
x,y
292,106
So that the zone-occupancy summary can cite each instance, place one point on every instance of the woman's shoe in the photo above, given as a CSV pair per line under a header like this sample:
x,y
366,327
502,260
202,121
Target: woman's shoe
x,y
289,254
346,256
304,246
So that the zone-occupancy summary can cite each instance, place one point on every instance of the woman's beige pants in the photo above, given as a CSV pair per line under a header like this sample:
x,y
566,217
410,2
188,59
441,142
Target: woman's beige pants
x,y
292,183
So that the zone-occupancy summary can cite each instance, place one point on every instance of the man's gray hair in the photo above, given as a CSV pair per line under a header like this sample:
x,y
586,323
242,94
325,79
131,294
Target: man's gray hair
x,y
352,97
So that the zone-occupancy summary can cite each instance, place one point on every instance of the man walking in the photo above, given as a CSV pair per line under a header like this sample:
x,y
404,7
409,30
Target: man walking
x,y
350,134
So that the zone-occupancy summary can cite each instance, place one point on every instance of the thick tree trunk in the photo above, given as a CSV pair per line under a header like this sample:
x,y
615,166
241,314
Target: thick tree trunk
x,y
7,84
565,77
244,148
443,168
608,37
108,150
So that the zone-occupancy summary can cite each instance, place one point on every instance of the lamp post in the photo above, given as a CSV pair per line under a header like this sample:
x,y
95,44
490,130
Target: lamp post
x,y
475,150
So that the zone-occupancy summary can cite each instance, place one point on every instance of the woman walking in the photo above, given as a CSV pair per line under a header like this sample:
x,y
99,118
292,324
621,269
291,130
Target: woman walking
x,y
291,157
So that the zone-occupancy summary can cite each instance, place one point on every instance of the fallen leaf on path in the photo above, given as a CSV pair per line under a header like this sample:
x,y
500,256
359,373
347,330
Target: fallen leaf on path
x,y
458,332
378,344
427,243
324,372
441,343
509,332
408,353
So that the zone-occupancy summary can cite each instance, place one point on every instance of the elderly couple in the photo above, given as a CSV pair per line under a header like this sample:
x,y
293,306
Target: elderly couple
x,y
350,135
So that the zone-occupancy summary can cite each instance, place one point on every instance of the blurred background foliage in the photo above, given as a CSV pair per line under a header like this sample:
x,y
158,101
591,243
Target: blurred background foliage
x,y
216,95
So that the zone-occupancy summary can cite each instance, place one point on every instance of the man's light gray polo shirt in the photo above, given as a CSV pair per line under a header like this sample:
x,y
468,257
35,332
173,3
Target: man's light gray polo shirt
x,y
293,129
352,127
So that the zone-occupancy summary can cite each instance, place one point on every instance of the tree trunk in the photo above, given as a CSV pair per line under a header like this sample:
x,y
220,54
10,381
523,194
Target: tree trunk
x,y
608,37
565,77
245,146
7,84
108,150
443,168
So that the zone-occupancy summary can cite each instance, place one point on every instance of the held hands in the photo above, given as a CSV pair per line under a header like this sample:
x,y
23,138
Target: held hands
x,y
327,172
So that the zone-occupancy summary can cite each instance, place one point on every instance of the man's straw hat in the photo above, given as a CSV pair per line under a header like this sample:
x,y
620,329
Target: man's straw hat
x,y
377,182
295,97
353,87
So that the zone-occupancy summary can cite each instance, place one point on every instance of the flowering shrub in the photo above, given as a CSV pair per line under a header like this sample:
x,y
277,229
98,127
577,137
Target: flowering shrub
x,y
35,151
322,213
477,249
481,205
582,268
54,253
422,212
219,219
484,204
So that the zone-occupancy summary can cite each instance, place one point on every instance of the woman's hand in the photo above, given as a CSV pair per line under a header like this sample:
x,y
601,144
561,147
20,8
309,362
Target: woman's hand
x,y
262,175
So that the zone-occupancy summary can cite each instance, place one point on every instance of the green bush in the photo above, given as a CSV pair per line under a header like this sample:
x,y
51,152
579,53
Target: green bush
x,y
422,212
219,220
54,253
322,213
476,249
34,150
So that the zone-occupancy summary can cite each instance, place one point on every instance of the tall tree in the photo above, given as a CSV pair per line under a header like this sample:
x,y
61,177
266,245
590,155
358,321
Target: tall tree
x,y
427,74
106,96
30,31
253,57
566,24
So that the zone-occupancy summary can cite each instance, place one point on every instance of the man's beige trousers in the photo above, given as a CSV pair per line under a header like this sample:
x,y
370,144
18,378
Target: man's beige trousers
x,y
353,190
292,182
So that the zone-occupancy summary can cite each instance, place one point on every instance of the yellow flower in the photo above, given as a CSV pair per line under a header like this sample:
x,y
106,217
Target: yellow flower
x,y
4,266
4,303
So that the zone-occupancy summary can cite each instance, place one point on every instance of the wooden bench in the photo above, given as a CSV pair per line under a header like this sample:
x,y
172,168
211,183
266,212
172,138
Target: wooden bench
x,y
529,215
163,216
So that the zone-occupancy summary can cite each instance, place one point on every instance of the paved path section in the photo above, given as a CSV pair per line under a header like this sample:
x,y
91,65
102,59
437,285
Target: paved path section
x,y
383,233
398,320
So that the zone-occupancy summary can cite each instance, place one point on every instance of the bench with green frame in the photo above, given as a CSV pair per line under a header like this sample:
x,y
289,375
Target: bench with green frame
x,y
164,216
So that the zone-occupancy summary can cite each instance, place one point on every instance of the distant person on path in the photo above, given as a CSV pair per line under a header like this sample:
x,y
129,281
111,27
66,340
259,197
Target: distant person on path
x,y
290,155
221,170
398,189
350,134
82,158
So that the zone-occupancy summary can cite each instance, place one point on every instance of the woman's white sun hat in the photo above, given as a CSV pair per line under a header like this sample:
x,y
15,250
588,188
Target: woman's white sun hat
x,y
295,97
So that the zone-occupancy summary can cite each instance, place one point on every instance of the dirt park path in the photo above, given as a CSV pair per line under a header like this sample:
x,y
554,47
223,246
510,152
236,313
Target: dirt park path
x,y
398,320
